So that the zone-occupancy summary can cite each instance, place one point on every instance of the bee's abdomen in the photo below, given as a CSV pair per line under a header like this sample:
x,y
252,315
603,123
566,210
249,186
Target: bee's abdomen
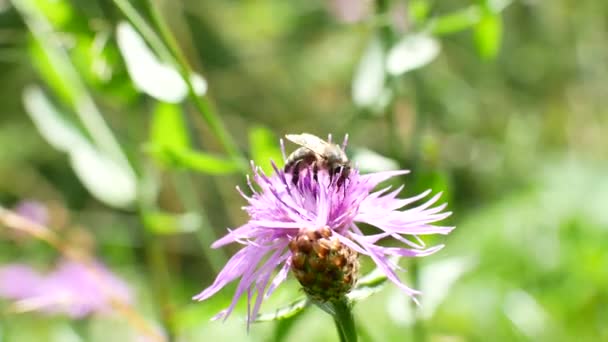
x,y
300,156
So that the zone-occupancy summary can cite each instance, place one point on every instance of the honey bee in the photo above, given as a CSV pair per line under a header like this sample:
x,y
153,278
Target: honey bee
x,y
318,153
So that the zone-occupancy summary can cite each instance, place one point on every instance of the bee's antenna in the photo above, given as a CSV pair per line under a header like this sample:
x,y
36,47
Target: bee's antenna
x,y
283,149
329,138
345,142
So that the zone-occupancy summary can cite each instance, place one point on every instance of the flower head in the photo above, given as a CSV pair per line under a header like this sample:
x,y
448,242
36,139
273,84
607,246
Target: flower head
x,y
281,211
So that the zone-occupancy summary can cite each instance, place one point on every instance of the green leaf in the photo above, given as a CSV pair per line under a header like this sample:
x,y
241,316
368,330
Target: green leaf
x,y
169,224
412,52
149,74
457,21
287,311
264,147
170,145
201,161
58,12
168,129
45,63
418,10
488,34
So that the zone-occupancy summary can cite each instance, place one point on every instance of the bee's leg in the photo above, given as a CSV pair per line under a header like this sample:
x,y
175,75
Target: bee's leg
x,y
295,174
315,170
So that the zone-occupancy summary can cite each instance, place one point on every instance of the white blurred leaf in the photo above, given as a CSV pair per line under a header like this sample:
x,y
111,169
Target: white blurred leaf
x,y
105,179
437,278
153,77
412,52
525,313
57,131
370,161
368,82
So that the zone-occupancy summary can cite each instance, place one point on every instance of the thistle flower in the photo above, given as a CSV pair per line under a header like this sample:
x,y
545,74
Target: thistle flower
x,y
74,289
311,227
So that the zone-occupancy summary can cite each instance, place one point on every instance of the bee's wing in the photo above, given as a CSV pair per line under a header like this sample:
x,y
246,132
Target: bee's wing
x,y
311,142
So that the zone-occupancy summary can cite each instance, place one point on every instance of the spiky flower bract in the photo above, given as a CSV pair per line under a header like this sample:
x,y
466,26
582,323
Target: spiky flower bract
x,y
279,210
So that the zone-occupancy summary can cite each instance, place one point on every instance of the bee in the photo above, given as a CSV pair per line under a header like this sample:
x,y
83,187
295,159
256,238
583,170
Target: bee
x,y
318,153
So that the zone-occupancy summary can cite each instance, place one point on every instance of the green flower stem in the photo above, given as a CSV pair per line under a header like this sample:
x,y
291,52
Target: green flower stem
x,y
161,280
144,29
420,123
345,322
206,234
201,103
388,38
167,48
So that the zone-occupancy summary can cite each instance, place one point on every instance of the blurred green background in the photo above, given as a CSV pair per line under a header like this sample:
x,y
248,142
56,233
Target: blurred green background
x,y
501,105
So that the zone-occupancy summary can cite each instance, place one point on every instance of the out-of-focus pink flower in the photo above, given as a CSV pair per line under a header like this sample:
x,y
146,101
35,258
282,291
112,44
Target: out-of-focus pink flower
x,y
74,289
18,281
33,211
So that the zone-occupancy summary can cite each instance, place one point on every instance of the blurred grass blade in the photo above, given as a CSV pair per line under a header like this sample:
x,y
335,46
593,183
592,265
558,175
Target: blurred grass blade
x,y
169,224
56,130
202,162
50,74
105,179
285,312
412,52
488,35
151,76
264,147
168,129
369,79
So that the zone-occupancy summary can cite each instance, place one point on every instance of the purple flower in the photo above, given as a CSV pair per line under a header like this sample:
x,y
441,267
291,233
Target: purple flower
x,y
75,289
279,210
18,281
33,211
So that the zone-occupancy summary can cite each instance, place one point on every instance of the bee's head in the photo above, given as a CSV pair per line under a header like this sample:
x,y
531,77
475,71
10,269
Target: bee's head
x,y
337,161
334,156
